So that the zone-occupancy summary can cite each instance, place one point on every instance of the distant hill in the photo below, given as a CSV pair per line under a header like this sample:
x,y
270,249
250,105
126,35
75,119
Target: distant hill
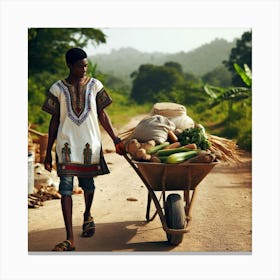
x,y
121,63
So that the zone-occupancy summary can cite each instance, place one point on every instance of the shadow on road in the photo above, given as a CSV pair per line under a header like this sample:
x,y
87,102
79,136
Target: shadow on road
x,y
109,237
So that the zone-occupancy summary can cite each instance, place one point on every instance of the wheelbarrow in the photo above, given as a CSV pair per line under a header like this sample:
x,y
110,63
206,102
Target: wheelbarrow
x,y
175,216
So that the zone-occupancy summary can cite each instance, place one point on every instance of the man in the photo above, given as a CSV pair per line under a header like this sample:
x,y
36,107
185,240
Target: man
x,y
76,104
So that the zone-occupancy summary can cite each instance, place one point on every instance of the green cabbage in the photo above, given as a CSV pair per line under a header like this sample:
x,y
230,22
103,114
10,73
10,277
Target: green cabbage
x,y
195,135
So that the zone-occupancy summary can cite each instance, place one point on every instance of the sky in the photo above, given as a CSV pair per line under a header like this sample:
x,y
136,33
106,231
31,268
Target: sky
x,y
168,40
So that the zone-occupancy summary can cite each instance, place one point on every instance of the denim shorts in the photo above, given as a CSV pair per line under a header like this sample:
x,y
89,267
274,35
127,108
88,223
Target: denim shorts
x,y
66,185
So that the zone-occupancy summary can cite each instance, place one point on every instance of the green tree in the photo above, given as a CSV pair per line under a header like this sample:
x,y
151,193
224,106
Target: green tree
x,y
47,46
150,80
166,83
220,76
174,65
241,54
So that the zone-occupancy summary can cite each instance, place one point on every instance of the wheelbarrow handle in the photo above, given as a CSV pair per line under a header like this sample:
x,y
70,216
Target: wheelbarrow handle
x,y
134,167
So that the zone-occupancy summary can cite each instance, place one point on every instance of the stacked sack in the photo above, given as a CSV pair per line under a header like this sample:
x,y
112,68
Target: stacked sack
x,y
165,117
176,113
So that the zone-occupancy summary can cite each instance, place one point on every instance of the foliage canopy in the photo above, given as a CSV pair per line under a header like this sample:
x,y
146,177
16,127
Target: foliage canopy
x,y
241,54
47,46
168,82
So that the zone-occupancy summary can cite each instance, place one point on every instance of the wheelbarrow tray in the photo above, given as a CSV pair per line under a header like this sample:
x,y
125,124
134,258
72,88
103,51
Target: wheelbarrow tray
x,y
183,176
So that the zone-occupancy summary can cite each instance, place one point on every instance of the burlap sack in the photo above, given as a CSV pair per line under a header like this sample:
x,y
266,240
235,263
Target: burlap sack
x,y
154,127
176,113
182,122
169,109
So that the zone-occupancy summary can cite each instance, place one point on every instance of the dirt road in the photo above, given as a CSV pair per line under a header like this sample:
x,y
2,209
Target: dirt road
x,y
221,217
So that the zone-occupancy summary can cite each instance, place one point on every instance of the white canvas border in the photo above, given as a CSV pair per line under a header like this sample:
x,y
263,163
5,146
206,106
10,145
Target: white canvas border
x,y
261,16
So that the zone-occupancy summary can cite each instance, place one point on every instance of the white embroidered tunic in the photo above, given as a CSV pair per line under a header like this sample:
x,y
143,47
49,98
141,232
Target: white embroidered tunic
x,y
78,143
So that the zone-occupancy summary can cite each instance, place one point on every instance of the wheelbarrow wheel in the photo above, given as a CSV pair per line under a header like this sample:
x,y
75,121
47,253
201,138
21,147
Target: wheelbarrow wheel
x,y
175,217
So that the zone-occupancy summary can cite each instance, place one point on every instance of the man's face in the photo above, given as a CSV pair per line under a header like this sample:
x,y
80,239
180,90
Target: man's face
x,y
79,68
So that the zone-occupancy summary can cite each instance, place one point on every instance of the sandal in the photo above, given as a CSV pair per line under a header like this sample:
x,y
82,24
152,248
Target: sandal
x,y
88,228
64,246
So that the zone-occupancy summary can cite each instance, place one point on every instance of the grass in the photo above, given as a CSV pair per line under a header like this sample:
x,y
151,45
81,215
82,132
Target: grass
x,y
122,116
122,110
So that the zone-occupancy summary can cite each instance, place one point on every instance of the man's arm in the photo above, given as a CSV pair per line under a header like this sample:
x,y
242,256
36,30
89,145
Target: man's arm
x,y
107,125
53,128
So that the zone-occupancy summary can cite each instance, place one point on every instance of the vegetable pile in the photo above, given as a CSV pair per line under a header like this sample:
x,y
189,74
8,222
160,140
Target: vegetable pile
x,y
159,139
189,145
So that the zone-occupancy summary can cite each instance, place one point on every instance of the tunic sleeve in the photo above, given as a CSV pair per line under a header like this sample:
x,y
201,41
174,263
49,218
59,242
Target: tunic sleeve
x,y
51,104
102,100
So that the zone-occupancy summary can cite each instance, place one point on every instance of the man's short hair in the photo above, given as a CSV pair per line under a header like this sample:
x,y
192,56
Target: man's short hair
x,y
75,54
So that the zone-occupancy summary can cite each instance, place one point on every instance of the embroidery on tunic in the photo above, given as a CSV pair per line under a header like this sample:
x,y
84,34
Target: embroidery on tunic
x,y
77,96
66,152
51,104
83,107
83,170
73,169
102,100
87,154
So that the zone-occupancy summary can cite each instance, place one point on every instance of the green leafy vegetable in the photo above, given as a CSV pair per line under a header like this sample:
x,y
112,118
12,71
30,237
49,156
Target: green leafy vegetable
x,y
195,135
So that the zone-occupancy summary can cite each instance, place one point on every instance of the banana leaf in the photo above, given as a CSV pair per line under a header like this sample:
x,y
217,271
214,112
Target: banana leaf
x,y
212,91
245,75
234,94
